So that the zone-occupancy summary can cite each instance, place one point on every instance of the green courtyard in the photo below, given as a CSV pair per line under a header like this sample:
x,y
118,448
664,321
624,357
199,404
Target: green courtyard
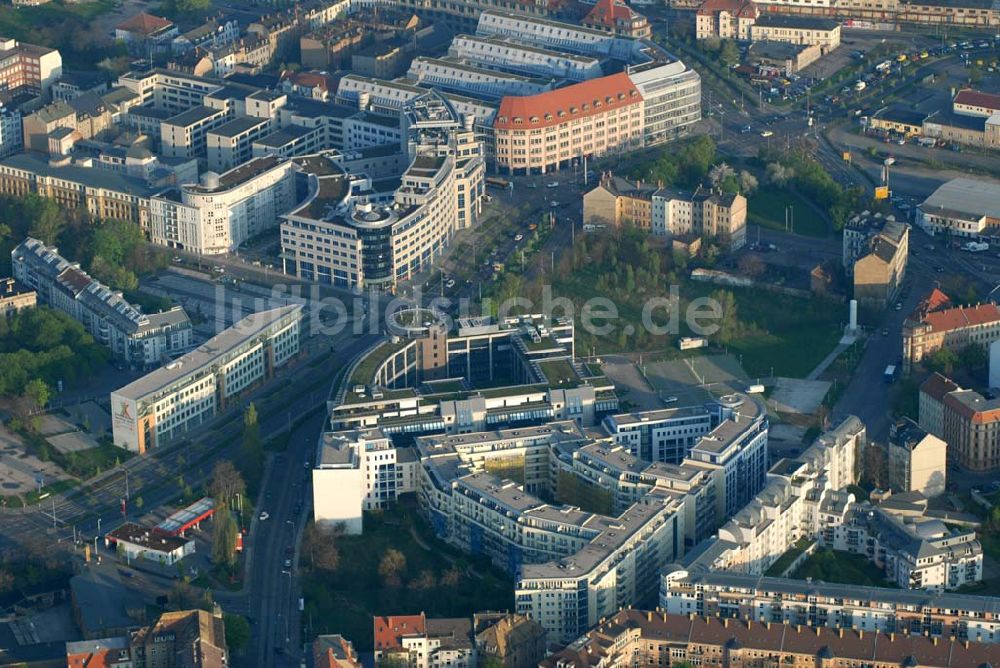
x,y
767,207
843,568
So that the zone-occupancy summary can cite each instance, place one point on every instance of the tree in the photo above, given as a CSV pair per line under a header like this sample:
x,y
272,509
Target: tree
x,y
224,532
425,581
777,174
237,631
319,543
752,266
875,466
729,55
451,577
748,183
719,173
941,360
227,483
37,393
972,357
252,450
391,567
139,503
728,323
184,596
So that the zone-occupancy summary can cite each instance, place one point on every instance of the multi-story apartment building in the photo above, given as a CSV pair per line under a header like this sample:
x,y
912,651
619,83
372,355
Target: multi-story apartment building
x,y
618,18
637,637
616,202
103,193
802,497
964,419
145,35
880,270
532,61
458,76
935,324
27,67
134,337
915,552
801,30
15,297
190,390
11,132
551,130
725,19
421,642
512,640
917,460
660,436
348,235
334,651
185,135
704,214
225,210
963,208
356,471
815,604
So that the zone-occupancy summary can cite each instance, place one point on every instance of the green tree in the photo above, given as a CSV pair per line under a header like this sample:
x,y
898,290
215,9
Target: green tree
x,y
252,448
46,220
37,393
729,323
224,537
729,54
972,357
237,631
941,360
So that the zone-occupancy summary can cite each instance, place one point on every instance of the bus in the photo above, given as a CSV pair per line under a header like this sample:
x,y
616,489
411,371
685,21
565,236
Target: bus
x,y
497,182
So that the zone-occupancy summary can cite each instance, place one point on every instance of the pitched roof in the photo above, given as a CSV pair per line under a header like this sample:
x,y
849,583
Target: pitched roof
x,y
975,98
962,316
144,23
390,630
739,8
587,98
937,386
608,12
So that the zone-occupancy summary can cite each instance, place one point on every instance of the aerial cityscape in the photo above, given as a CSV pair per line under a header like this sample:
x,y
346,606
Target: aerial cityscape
x,y
500,334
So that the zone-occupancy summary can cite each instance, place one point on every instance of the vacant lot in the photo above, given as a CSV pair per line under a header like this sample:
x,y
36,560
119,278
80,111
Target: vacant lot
x,y
767,208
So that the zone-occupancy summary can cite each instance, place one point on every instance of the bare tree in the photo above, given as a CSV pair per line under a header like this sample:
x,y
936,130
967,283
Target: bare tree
x,y
226,483
392,567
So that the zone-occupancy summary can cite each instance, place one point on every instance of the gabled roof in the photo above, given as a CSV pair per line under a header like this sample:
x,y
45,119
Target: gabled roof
x,y
741,8
587,98
145,24
608,13
938,387
975,98
962,316
389,631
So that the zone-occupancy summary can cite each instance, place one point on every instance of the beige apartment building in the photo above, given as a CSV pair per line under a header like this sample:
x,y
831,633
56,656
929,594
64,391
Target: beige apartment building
x,y
879,274
27,66
616,201
968,422
725,19
15,297
539,133
801,30
917,460
936,324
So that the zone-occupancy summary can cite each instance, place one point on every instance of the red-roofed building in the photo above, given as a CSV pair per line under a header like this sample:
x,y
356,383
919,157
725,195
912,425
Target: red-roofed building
x,y
538,133
964,419
334,651
970,102
424,643
145,34
725,19
928,330
616,17
390,631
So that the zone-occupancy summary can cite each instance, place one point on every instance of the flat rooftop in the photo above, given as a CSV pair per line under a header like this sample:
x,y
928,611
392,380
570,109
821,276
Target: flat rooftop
x,y
968,196
194,115
238,126
206,354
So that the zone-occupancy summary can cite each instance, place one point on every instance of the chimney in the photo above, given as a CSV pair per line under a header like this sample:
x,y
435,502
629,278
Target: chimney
x,y
861,633
892,637
935,641
649,616
966,644
817,630
767,625
840,632
725,622
798,628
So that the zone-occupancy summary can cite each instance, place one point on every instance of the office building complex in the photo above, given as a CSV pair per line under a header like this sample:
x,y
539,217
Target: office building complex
x,y
134,337
193,388
27,68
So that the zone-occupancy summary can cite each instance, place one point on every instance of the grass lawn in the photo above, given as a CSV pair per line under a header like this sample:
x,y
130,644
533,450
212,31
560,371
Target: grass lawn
x,y
785,560
346,601
843,568
767,209
794,335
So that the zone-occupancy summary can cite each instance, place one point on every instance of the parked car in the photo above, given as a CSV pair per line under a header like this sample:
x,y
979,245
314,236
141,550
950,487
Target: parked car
x,y
263,516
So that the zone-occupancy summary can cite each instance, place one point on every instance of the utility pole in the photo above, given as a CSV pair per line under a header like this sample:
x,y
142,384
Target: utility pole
x,y
53,512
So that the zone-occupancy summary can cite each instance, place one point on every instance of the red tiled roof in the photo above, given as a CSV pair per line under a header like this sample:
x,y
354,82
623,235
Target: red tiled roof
x,y
144,23
740,8
962,316
938,387
390,630
587,98
608,12
975,98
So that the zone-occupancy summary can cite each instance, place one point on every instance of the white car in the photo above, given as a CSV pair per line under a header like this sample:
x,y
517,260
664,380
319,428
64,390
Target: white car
x,y
518,236
766,133
554,184
263,516
450,283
